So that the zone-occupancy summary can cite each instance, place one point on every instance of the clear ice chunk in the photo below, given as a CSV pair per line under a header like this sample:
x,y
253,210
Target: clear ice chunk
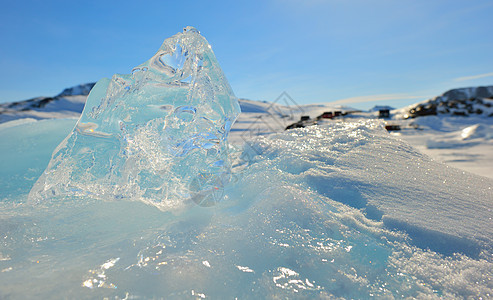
x,y
158,134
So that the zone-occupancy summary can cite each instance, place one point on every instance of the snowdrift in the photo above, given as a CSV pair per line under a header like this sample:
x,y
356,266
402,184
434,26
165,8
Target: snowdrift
x,y
343,210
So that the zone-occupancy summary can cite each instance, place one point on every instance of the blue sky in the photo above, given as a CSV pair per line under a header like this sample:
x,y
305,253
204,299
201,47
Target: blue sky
x,y
359,53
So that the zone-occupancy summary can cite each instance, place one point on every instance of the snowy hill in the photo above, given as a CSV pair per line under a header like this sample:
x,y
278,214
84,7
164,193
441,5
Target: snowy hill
x,y
457,102
81,89
68,104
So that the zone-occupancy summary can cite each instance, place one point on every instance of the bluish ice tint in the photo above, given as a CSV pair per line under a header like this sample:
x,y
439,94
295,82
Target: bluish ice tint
x,y
34,141
308,217
158,134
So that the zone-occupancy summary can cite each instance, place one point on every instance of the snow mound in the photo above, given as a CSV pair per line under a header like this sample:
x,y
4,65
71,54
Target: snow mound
x,y
481,131
441,132
389,181
337,211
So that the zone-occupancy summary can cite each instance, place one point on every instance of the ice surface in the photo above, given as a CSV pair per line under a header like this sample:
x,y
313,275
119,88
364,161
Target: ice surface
x,y
158,134
34,141
391,182
343,210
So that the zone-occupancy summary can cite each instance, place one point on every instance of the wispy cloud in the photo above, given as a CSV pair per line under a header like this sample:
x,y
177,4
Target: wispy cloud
x,y
374,98
474,77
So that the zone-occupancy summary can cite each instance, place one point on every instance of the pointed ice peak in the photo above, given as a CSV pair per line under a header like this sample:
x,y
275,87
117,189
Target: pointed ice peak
x,y
190,29
157,135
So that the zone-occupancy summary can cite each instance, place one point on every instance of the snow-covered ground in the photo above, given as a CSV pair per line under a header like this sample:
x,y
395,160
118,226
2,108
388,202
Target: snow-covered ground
x,y
342,209
460,142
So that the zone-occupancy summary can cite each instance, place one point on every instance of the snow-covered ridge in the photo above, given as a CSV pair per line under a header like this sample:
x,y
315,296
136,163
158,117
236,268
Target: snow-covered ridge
x,y
68,104
81,89
456,102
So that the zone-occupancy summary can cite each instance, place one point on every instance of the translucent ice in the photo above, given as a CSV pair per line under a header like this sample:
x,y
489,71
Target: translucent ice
x,y
158,134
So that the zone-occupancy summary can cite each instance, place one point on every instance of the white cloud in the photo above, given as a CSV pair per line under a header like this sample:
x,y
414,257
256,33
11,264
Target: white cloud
x,y
474,77
373,98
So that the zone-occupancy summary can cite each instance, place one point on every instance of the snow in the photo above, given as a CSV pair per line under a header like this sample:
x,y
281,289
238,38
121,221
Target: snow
x,y
377,168
16,122
249,106
59,107
68,104
462,142
81,89
472,101
338,210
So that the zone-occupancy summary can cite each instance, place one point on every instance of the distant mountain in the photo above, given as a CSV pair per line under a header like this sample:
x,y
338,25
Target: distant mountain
x,y
457,102
82,89
68,104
